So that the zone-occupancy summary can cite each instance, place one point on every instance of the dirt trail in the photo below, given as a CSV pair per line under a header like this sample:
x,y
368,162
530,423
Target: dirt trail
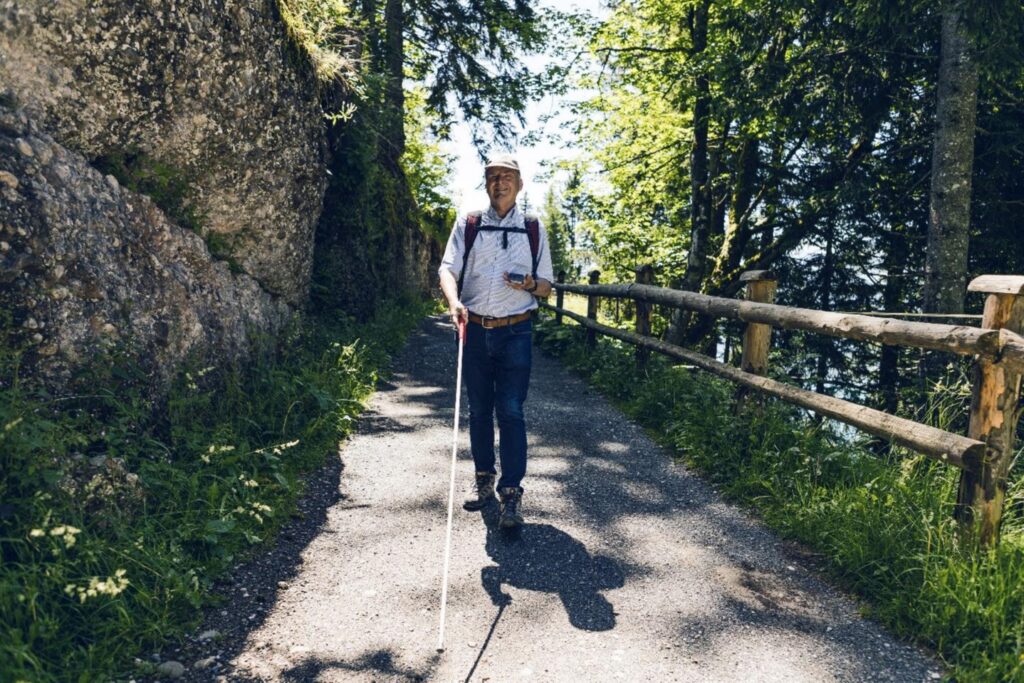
x,y
629,567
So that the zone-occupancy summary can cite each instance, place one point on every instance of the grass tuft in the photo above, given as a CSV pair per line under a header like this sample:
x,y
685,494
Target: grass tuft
x,y
322,29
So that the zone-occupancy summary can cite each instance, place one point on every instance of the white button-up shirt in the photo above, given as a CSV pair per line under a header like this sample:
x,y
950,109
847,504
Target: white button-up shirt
x,y
484,291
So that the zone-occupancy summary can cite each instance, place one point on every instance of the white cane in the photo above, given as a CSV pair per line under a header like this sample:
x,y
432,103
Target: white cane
x,y
451,485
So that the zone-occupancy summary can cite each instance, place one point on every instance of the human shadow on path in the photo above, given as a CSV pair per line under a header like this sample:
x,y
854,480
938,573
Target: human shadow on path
x,y
539,557
378,661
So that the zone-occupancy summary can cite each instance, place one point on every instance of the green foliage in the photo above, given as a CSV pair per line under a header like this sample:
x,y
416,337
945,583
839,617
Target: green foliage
x,y
427,168
821,120
884,524
167,186
367,229
115,519
468,55
561,236
382,219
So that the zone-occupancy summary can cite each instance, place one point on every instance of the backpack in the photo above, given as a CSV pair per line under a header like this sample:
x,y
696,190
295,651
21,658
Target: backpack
x,y
473,228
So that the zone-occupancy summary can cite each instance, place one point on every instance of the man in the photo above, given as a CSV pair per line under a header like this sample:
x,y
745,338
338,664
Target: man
x,y
501,277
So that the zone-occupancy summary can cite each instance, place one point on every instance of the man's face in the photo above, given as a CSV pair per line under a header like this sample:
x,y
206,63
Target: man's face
x,y
503,184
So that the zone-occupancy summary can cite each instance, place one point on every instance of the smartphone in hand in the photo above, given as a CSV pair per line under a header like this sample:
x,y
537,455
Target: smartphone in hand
x,y
516,277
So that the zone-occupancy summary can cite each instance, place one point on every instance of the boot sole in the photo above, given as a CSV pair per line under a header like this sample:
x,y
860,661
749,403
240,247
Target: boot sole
x,y
474,505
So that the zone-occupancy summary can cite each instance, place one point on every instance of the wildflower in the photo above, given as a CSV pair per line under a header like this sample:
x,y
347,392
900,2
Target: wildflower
x,y
278,449
12,424
36,533
213,450
67,534
248,483
111,586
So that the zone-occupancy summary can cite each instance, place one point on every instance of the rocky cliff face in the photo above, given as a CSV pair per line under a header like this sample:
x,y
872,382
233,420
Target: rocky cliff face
x,y
85,264
209,89
207,111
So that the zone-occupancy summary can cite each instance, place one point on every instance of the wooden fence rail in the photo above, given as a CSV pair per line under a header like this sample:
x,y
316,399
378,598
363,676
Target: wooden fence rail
x,y
984,455
961,339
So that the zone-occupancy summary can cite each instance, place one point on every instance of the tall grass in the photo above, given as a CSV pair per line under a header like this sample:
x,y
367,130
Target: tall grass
x,y
884,523
115,520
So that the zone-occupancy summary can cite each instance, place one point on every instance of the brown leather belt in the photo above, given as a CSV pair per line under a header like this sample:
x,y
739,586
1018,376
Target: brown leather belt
x,y
488,322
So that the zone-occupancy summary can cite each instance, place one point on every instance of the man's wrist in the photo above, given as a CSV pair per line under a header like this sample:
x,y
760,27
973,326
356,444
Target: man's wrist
x,y
532,289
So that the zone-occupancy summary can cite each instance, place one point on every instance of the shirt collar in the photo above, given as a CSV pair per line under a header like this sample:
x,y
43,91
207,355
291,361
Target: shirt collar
x,y
510,216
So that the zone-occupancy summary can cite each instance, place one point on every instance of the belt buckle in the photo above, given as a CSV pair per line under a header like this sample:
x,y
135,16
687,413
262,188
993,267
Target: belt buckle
x,y
484,319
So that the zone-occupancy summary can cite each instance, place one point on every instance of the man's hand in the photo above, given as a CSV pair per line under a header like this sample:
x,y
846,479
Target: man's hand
x,y
451,293
526,284
458,312
539,288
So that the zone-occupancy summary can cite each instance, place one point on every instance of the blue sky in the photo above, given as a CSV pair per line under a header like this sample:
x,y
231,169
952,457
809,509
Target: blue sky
x,y
467,186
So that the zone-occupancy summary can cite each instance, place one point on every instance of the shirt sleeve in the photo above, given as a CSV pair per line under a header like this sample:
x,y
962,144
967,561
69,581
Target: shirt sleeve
x,y
454,251
544,269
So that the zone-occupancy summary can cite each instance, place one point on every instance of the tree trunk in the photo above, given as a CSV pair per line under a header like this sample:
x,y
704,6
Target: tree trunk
x,y
828,270
394,95
700,218
371,44
737,232
892,298
717,195
700,214
949,209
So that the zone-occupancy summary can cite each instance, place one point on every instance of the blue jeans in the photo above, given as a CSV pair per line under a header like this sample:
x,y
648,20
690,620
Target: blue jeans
x,y
496,364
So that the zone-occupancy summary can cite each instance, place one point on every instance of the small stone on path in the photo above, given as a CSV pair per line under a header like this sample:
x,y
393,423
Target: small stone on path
x,y
171,669
206,663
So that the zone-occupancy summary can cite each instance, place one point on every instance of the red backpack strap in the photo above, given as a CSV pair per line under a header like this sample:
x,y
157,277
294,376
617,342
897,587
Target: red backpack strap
x,y
533,233
469,237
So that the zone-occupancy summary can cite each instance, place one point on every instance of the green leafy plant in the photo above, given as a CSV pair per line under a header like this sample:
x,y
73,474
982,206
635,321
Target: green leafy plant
x,y
115,519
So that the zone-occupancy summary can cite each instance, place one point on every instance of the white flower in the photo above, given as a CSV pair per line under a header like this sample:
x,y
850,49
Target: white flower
x,y
67,534
112,586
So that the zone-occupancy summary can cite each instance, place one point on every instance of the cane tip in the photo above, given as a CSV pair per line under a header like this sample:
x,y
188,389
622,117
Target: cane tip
x,y
440,650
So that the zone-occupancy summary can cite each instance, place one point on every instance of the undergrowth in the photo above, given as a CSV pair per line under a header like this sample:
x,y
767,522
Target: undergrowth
x,y
115,519
884,523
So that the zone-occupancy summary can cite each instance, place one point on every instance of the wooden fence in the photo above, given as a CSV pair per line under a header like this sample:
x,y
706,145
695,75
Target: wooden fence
x,y
984,456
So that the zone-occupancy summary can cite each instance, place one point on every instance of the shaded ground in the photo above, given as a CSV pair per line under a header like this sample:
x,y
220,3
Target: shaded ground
x,y
629,567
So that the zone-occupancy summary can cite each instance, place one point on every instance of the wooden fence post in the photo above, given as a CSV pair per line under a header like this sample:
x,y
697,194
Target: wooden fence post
x,y
757,337
560,297
592,302
644,276
995,410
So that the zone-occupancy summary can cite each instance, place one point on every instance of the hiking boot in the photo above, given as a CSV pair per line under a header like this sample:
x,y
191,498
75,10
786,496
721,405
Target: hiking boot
x,y
511,497
482,493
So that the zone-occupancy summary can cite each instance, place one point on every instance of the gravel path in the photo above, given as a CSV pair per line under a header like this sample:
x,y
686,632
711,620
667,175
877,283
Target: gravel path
x,y
629,567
